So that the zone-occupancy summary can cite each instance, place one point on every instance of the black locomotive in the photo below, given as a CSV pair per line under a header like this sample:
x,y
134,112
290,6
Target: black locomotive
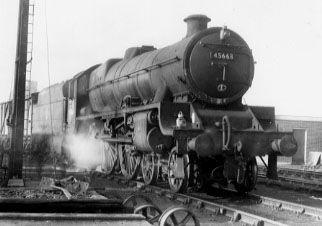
x,y
176,112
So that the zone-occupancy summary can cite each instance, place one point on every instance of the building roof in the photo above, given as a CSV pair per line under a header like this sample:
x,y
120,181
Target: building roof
x,y
298,118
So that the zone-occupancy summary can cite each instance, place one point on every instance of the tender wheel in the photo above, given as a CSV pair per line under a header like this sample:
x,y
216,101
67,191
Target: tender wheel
x,y
178,216
150,168
250,178
177,182
111,160
129,162
150,212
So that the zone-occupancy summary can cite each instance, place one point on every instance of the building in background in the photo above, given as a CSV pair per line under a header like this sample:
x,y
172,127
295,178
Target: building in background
x,y
309,136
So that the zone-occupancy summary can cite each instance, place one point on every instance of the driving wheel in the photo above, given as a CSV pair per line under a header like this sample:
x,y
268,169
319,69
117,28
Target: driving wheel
x,y
150,168
111,159
129,162
178,171
250,177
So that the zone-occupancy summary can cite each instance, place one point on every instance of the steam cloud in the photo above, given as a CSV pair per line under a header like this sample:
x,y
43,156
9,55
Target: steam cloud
x,y
85,151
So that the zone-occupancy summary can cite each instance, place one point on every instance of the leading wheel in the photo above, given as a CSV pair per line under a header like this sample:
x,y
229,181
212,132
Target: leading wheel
x,y
250,177
178,171
178,216
129,162
150,168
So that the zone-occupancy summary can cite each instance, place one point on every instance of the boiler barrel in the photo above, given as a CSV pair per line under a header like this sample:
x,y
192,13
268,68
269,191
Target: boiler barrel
x,y
209,67
140,76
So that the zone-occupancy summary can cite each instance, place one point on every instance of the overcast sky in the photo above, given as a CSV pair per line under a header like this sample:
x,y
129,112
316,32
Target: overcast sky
x,y
285,36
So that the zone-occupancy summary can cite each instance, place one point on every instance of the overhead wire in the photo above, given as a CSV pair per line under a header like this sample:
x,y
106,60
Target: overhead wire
x,y
49,88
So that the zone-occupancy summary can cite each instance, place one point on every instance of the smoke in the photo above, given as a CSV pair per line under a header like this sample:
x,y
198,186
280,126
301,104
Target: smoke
x,y
85,151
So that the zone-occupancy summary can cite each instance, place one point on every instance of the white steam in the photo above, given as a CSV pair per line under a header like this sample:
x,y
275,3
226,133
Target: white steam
x,y
85,151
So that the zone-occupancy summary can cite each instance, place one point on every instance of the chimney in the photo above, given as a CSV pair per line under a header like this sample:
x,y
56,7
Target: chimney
x,y
196,23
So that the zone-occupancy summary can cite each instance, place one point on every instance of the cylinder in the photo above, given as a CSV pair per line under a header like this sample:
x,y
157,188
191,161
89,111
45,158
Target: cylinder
x,y
147,137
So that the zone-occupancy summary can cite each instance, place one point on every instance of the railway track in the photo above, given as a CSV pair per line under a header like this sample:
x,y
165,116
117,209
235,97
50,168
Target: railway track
x,y
294,179
225,204
211,206
248,210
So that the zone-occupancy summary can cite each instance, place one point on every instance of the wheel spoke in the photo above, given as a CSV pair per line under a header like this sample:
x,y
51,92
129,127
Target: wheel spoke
x,y
178,184
149,166
172,168
173,219
186,219
110,158
129,163
172,215
154,219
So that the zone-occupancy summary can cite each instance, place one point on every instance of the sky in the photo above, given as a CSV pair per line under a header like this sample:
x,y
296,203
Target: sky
x,y
284,35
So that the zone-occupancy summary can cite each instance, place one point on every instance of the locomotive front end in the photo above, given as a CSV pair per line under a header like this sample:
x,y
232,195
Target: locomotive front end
x,y
219,69
218,63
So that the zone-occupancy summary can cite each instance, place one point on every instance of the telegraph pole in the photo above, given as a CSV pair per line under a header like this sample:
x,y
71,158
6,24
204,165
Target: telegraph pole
x,y
17,132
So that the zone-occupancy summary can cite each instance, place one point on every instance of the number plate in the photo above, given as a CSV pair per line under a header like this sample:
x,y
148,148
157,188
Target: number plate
x,y
222,56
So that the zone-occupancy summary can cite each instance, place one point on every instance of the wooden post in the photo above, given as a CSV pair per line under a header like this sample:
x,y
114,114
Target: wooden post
x,y
272,167
16,152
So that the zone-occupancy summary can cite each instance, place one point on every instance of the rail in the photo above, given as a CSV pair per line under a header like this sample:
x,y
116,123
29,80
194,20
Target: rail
x,y
234,214
294,178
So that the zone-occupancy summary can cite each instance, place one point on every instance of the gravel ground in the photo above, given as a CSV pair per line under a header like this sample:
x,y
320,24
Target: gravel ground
x,y
303,198
241,203
114,189
32,194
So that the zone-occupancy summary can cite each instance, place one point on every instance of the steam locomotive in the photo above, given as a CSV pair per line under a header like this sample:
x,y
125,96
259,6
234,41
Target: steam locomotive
x,y
174,112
